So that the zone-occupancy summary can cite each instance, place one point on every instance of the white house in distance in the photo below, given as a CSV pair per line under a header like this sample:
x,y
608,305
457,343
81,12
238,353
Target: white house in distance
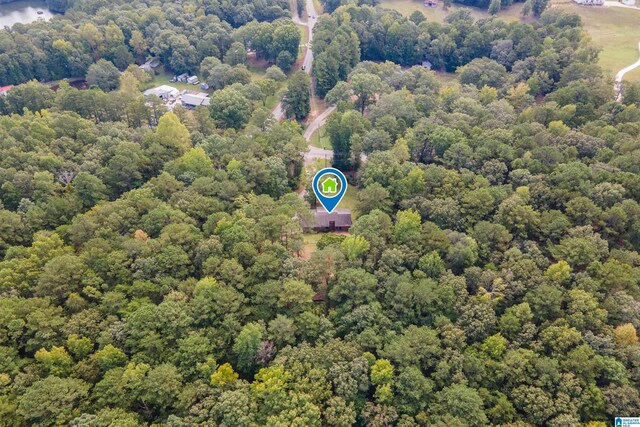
x,y
163,92
590,2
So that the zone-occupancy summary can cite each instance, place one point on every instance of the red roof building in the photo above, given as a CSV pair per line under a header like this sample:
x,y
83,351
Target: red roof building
x,y
5,89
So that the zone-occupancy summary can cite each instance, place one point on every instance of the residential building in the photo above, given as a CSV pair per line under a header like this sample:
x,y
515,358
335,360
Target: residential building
x,y
191,101
164,92
338,220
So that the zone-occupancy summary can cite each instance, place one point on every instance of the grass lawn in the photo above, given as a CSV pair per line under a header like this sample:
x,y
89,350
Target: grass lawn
x,y
406,7
317,6
633,75
616,30
256,72
445,78
311,239
320,139
163,79
272,101
303,40
349,200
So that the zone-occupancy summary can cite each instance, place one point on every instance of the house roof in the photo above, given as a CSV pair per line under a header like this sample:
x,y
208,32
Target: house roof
x,y
5,88
195,100
162,91
341,218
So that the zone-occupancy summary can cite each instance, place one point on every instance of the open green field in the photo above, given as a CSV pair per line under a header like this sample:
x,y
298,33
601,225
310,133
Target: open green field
x,y
163,79
616,30
406,7
633,75
309,242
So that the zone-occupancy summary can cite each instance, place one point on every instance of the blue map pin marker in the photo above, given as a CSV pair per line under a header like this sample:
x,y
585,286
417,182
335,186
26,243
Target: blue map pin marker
x,y
329,186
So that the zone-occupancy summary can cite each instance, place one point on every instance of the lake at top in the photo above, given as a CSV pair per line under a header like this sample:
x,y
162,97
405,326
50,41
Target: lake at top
x,y
23,11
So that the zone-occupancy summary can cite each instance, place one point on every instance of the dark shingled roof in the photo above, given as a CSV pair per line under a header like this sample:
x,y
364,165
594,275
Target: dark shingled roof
x,y
341,217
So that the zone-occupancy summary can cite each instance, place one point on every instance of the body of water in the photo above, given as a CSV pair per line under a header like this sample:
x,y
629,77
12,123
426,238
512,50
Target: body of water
x,y
24,12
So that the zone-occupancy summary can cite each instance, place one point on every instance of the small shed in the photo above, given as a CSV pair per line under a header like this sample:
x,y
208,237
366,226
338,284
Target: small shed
x,y
628,2
338,220
431,3
182,78
426,64
193,80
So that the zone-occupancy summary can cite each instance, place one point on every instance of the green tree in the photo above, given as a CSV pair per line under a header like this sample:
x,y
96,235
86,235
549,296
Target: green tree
x,y
539,6
297,99
495,7
52,401
365,87
104,75
230,109
459,405
236,54
247,344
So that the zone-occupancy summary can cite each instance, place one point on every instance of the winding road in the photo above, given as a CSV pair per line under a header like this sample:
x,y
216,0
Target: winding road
x,y
278,112
618,82
307,62
617,86
315,152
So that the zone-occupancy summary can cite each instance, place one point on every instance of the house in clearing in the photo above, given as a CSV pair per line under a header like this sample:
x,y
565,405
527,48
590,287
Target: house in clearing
x,y
163,92
338,220
193,100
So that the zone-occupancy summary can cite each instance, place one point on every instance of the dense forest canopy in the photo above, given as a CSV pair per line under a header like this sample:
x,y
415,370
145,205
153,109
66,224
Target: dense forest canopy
x,y
180,34
153,268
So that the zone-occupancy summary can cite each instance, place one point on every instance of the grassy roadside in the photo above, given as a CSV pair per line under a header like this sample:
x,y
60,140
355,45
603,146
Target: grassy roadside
x,y
614,29
406,7
318,7
320,139
304,39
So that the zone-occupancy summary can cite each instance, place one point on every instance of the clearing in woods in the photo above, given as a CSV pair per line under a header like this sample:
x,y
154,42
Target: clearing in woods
x,y
614,29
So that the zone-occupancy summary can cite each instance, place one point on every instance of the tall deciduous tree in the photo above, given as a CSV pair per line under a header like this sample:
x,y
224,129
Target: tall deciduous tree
x,y
297,99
